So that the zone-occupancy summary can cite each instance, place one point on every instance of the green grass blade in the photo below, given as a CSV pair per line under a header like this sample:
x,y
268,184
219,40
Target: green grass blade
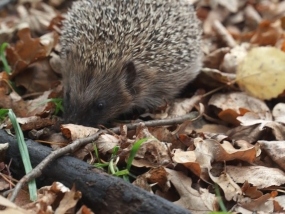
x,y
3,58
122,172
57,102
24,154
3,113
112,167
134,151
220,201
96,153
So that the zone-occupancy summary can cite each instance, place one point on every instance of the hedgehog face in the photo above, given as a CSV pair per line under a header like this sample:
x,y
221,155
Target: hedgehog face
x,y
92,97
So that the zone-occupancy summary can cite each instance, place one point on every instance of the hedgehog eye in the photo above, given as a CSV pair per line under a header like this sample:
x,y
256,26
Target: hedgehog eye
x,y
100,105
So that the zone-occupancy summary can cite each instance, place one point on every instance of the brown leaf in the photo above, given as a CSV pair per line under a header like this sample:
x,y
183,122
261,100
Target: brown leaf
x,y
27,50
258,176
275,150
200,201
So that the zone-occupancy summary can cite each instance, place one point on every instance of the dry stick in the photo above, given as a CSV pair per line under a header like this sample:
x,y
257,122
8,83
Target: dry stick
x,y
37,171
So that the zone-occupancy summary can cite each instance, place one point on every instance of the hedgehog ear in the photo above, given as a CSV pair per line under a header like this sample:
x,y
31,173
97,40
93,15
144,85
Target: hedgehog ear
x,y
130,73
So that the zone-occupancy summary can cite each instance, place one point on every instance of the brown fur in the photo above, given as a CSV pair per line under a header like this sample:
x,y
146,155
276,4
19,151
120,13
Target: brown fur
x,y
122,54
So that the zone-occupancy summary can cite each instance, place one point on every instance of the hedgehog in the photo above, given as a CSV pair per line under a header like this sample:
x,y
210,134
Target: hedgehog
x,y
118,55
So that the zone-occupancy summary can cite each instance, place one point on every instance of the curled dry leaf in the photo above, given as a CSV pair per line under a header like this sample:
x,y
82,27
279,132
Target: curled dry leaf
x,y
230,188
233,58
278,130
260,204
213,150
28,50
152,153
275,150
74,132
107,142
38,106
249,133
259,176
188,159
278,112
261,73
157,176
251,191
236,104
26,110
141,181
37,77
214,59
252,118
55,198
201,201
69,201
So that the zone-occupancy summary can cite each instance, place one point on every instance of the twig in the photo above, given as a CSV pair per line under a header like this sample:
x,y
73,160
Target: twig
x,y
37,171
165,122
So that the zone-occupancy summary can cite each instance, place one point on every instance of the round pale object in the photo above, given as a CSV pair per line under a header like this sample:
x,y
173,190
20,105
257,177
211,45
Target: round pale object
x,y
262,72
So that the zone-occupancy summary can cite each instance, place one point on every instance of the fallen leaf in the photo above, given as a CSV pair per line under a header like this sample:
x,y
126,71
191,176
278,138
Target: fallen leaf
x,y
275,150
230,188
261,73
188,159
201,201
73,132
259,176
232,105
278,112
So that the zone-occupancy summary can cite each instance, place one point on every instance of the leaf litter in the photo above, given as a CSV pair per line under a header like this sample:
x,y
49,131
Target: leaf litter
x,y
237,146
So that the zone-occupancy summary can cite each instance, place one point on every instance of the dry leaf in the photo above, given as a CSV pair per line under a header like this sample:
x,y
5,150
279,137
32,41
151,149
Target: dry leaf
x,y
73,132
27,50
261,73
233,58
275,150
69,201
188,159
230,188
278,112
221,152
197,201
258,176
152,153
237,104
11,207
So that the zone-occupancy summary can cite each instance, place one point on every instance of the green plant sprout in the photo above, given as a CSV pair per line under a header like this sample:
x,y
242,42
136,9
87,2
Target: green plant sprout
x,y
24,152
3,114
7,68
58,104
220,201
112,167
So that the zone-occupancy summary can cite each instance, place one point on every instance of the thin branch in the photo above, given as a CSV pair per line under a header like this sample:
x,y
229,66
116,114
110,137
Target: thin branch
x,y
37,171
